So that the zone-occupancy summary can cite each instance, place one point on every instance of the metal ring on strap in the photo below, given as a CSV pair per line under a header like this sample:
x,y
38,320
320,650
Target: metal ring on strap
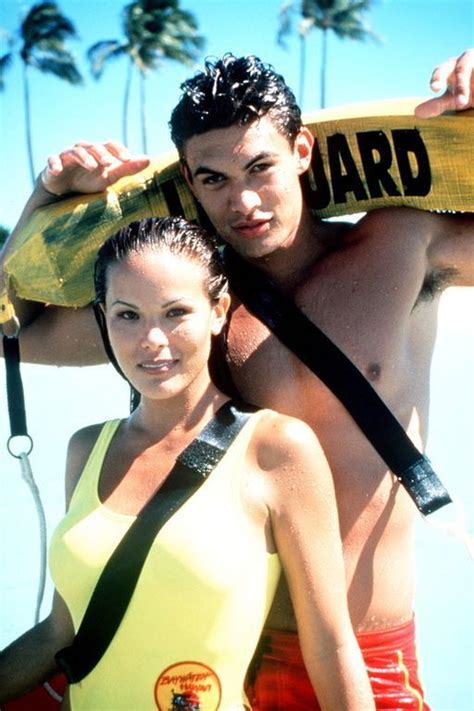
x,y
23,451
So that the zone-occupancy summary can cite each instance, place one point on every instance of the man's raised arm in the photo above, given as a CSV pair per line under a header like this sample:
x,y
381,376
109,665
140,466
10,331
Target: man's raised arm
x,y
50,334
456,77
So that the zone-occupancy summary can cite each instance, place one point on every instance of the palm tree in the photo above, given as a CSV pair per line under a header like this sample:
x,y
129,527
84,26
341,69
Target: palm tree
x,y
343,17
43,32
154,30
7,57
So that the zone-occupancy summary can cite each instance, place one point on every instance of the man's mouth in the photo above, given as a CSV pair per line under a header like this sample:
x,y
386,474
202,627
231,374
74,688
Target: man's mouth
x,y
252,228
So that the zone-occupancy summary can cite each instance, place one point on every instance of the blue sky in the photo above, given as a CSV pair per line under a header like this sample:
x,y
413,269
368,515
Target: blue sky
x,y
415,35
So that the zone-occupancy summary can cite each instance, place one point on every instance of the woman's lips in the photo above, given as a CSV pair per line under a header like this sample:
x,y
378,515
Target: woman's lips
x,y
162,366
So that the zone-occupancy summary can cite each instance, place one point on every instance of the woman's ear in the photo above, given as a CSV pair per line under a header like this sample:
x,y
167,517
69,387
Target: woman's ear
x,y
219,313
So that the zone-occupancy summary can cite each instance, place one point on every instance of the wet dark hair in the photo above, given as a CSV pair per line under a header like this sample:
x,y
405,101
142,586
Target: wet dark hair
x,y
173,234
182,238
233,91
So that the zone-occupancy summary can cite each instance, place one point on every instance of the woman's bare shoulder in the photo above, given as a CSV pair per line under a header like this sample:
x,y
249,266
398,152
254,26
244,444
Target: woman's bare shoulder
x,y
80,447
281,440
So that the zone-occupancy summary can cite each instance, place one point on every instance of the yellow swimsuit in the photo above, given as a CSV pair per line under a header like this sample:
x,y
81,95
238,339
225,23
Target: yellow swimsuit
x,y
194,620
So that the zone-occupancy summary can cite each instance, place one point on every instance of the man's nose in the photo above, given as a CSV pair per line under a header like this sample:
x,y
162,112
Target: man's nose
x,y
244,201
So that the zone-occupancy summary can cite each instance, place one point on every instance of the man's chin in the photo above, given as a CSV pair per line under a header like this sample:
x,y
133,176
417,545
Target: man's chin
x,y
253,249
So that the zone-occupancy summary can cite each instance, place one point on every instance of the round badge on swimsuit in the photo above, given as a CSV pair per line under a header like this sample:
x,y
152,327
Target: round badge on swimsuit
x,y
188,686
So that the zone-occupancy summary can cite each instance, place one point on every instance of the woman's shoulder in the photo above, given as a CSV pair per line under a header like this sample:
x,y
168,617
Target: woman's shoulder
x,y
281,438
83,440
79,450
289,461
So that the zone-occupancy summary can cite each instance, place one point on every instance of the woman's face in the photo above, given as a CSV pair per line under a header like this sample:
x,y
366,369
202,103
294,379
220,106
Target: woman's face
x,y
160,321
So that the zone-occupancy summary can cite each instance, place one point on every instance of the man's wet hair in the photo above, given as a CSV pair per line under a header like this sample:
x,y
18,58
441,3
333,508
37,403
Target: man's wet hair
x,y
233,91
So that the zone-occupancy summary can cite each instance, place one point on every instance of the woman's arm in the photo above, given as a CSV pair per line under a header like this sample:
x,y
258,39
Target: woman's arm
x,y
29,660
305,528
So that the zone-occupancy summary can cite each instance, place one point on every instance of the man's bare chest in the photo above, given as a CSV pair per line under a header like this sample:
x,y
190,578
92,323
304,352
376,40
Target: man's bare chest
x,y
372,323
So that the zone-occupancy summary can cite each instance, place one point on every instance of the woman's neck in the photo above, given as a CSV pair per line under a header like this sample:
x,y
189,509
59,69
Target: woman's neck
x,y
176,417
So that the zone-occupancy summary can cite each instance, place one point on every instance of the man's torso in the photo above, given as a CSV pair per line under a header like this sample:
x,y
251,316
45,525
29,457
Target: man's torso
x,y
372,298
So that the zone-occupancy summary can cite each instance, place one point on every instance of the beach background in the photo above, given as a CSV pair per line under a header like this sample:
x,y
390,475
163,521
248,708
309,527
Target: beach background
x,y
416,35
60,400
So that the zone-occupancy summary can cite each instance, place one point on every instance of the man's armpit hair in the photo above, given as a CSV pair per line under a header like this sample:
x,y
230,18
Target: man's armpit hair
x,y
435,283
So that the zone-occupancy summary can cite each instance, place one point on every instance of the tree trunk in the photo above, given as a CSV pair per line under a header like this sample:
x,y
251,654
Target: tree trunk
x,y
143,111
324,51
126,98
302,69
29,142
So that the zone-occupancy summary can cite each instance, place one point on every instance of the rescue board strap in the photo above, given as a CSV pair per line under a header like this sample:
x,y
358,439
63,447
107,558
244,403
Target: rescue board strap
x,y
117,582
313,347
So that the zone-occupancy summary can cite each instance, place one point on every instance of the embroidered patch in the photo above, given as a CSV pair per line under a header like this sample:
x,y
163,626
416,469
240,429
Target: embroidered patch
x,y
188,686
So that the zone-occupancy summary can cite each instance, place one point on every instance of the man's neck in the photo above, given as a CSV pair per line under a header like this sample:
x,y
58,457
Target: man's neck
x,y
288,265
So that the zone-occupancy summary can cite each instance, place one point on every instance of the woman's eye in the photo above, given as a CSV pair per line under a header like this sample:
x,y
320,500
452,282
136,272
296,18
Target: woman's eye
x,y
176,312
128,315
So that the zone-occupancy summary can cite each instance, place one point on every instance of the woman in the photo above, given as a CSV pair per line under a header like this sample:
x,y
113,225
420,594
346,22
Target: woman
x,y
192,624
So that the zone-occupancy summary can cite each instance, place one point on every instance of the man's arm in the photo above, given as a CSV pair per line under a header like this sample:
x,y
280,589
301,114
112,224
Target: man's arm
x,y
53,335
456,76
451,246
61,336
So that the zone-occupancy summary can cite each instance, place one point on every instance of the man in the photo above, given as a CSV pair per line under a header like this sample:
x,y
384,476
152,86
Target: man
x,y
243,149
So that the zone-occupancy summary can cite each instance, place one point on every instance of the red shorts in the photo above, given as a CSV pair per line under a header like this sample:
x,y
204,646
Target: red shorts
x,y
39,699
277,679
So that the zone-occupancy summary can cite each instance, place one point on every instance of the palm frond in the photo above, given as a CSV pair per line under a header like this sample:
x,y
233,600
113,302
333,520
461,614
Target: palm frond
x,y
63,68
100,53
44,31
5,63
285,18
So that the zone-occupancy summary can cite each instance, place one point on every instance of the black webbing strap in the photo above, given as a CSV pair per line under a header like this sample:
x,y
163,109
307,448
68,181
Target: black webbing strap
x,y
342,377
15,396
114,589
15,400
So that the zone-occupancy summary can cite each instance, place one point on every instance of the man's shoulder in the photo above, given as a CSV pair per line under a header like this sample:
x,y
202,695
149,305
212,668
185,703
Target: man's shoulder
x,y
388,224
394,216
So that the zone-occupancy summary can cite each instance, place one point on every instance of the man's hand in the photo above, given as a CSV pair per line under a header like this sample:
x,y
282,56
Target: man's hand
x,y
457,75
90,167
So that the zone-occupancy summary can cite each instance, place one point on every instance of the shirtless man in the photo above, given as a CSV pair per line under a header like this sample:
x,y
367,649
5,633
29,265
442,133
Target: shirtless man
x,y
246,176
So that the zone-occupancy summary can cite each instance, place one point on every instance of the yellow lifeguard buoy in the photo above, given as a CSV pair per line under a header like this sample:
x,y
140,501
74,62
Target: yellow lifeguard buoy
x,y
366,156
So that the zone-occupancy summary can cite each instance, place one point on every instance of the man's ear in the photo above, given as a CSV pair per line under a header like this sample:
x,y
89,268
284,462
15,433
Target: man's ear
x,y
304,142
186,173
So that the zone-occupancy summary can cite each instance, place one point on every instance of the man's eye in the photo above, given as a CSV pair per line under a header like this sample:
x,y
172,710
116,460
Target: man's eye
x,y
213,180
261,167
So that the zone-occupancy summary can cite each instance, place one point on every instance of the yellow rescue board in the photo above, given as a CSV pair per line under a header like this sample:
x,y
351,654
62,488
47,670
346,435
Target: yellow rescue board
x,y
367,156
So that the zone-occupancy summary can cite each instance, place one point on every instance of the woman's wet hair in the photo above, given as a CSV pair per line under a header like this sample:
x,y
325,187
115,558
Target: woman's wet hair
x,y
172,234
233,91
176,236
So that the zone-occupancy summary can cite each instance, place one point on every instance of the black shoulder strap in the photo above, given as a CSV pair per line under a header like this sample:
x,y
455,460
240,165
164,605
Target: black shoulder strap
x,y
15,396
342,377
114,589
